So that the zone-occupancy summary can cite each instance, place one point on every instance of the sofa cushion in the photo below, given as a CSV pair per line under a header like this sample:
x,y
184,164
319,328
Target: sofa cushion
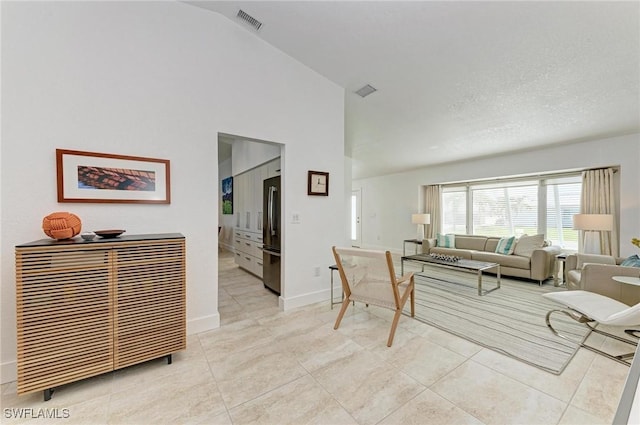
x,y
472,242
506,246
446,241
527,244
633,261
491,244
517,262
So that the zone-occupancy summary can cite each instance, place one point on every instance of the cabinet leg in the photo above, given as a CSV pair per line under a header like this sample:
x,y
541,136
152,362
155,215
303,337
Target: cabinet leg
x,y
47,394
169,359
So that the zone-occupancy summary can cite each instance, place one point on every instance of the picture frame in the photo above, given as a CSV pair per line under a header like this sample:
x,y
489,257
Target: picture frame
x,y
227,195
107,178
317,183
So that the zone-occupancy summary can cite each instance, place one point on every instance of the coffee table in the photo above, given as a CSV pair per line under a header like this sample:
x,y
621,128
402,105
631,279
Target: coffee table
x,y
472,266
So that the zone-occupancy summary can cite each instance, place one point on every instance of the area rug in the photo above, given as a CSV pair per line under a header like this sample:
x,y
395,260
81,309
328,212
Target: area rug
x,y
509,320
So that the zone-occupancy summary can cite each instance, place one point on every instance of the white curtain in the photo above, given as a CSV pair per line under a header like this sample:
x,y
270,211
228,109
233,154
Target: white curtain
x,y
432,197
598,197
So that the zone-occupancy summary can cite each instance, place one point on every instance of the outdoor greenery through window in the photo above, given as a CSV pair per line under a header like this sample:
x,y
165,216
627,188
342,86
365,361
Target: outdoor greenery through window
x,y
515,207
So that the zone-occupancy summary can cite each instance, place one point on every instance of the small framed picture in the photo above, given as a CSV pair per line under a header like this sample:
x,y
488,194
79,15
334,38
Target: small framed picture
x,y
318,183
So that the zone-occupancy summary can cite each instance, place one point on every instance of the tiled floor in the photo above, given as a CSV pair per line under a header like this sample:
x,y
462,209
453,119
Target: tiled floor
x,y
264,366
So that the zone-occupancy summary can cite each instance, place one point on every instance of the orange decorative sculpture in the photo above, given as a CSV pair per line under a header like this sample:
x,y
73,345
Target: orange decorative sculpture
x,y
61,225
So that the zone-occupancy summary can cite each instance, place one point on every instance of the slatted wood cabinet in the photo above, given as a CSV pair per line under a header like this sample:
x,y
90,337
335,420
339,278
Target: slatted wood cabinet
x,y
89,307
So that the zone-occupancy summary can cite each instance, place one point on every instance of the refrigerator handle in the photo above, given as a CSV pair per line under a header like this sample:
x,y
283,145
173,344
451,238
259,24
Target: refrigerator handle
x,y
270,212
275,254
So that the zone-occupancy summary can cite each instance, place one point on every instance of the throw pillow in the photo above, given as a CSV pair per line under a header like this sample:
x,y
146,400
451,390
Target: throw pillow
x,y
633,261
446,241
506,246
527,244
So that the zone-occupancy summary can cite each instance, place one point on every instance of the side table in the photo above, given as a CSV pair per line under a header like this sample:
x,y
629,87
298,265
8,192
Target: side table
x,y
415,242
561,260
629,280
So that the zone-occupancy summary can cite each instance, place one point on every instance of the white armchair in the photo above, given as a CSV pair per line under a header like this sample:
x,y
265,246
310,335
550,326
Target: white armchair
x,y
594,273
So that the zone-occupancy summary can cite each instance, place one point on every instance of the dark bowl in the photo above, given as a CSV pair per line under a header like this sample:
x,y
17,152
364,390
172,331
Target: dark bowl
x,y
113,233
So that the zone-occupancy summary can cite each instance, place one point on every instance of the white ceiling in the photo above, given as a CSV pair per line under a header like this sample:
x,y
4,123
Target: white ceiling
x,y
460,80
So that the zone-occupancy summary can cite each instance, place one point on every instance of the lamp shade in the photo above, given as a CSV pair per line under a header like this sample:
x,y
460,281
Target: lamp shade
x,y
420,218
593,222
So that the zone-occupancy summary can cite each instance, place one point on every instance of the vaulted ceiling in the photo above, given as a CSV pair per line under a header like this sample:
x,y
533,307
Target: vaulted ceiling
x,y
460,80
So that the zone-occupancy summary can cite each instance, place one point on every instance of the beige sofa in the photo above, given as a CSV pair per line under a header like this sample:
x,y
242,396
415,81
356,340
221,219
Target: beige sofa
x,y
593,273
539,266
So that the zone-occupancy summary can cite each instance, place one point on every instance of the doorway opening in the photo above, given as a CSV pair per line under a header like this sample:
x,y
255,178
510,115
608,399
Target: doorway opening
x,y
244,165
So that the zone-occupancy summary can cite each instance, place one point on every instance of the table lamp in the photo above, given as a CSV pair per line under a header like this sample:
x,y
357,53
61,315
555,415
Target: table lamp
x,y
592,225
420,220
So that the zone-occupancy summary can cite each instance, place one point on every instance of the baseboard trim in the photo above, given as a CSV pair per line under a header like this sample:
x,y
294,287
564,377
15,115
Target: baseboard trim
x,y
304,299
8,372
203,324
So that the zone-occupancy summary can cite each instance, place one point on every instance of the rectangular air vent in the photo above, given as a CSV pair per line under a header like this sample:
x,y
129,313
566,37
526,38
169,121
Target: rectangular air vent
x,y
365,91
249,19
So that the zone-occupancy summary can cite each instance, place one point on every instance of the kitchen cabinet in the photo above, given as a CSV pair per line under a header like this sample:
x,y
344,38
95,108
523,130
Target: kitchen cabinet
x,y
248,204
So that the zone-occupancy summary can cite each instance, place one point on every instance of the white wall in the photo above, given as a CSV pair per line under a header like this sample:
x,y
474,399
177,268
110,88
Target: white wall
x,y
159,79
388,201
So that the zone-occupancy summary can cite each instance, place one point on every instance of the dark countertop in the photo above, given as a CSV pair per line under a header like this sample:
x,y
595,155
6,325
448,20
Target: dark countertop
x,y
77,240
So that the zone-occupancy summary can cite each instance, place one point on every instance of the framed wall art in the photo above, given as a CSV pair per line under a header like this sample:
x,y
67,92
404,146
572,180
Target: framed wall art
x,y
318,183
227,195
101,177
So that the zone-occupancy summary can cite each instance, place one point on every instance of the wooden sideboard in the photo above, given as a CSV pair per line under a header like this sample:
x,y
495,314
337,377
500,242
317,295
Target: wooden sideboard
x,y
90,307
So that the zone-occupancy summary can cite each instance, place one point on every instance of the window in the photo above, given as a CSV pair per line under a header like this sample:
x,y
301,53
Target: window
x,y
515,207
454,205
505,209
563,201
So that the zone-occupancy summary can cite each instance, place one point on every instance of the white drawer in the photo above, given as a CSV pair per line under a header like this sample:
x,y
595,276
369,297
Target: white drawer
x,y
257,267
256,250
256,237
245,261
247,247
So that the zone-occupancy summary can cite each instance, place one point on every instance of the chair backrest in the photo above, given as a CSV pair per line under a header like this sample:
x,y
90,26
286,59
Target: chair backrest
x,y
367,275
628,317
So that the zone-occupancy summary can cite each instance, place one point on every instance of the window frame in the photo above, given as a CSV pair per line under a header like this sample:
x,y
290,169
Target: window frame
x,y
543,182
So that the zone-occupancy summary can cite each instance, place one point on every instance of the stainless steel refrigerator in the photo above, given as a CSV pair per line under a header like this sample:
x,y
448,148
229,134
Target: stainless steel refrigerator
x,y
271,251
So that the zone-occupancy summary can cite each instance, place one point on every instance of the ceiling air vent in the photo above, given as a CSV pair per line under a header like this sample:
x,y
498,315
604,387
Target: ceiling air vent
x,y
249,19
365,91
